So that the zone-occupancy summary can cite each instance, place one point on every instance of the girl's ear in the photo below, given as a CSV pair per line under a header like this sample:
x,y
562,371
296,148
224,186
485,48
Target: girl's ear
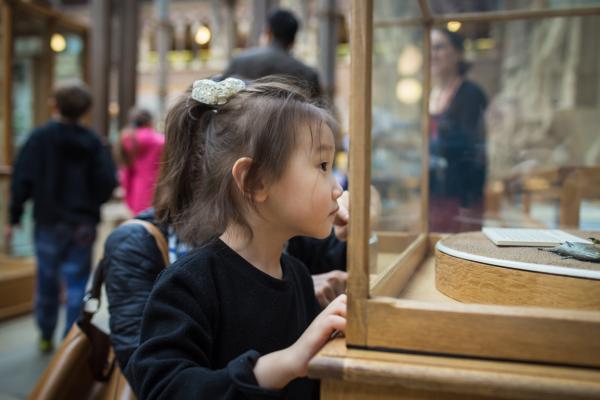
x,y
239,171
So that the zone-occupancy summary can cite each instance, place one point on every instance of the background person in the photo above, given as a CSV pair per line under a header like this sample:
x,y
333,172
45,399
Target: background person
x,y
140,147
68,172
276,57
458,161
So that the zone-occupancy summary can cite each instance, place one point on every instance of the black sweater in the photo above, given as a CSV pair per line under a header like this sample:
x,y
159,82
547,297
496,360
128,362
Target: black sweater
x,y
460,142
209,317
134,262
67,171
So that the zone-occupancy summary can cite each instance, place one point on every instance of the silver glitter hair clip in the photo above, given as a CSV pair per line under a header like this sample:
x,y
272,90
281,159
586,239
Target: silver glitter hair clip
x,y
213,93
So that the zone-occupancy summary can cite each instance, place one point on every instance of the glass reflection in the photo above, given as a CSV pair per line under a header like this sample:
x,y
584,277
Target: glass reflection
x,y
463,6
513,141
457,163
396,131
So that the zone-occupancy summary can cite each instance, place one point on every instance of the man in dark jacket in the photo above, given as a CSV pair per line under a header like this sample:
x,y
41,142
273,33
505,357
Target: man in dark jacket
x,y
68,172
276,58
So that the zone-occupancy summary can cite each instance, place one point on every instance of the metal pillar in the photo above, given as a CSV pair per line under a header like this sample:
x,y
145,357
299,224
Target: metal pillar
x,y
100,64
327,47
163,38
128,55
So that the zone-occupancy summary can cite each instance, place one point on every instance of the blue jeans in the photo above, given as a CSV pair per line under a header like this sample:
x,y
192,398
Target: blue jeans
x,y
64,253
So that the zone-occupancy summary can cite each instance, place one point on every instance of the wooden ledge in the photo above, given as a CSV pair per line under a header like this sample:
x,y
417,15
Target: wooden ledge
x,y
453,375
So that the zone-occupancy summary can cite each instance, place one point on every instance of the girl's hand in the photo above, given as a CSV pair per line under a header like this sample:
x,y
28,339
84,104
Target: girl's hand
x,y
275,370
331,319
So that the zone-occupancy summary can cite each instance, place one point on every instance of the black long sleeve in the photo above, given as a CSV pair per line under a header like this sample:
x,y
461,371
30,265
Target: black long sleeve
x,y
23,177
208,319
319,255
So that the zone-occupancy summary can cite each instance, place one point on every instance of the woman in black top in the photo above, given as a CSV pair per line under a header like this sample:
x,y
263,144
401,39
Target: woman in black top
x,y
457,139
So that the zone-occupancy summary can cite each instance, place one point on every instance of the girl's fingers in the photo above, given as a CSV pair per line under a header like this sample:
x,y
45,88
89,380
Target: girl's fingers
x,y
336,323
342,298
337,306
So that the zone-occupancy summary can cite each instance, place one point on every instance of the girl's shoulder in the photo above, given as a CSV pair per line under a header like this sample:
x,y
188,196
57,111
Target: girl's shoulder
x,y
201,263
192,273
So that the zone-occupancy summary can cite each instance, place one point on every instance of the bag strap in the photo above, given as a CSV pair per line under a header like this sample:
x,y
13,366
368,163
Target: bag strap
x,y
100,361
161,242
92,298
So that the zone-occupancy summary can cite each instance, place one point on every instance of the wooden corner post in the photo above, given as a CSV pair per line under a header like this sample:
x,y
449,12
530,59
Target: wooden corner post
x,y
361,39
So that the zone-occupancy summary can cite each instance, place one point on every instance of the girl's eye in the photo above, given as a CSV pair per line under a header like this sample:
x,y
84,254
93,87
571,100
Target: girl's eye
x,y
324,166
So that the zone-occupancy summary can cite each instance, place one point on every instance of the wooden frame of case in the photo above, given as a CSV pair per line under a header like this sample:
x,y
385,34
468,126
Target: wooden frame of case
x,y
553,336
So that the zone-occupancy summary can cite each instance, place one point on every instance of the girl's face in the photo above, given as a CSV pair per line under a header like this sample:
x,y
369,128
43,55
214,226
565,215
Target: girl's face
x,y
444,57
304,200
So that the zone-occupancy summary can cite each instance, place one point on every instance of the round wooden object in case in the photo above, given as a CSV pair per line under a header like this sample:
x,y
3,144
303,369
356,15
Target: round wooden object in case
x,y
471,269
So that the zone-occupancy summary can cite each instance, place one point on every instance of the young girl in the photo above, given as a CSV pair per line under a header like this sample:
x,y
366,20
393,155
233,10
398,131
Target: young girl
x,y
233,318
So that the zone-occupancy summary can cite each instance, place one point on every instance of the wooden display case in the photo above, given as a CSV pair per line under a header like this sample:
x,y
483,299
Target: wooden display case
x,y
404,338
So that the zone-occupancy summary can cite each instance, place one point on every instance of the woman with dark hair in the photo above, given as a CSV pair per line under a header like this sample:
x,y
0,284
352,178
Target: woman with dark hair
x,y
140,148
457,138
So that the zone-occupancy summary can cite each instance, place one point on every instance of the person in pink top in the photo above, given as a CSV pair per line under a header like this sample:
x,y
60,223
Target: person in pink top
x,y
140,148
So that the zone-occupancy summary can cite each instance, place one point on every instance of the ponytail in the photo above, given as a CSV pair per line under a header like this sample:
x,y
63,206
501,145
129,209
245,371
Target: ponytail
x,y
181,159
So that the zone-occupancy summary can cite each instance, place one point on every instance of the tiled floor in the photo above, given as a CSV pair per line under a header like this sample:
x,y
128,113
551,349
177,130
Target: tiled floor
x,y
21,364
20,361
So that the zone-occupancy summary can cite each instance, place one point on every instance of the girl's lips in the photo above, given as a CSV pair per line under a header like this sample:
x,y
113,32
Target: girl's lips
x,y
334,211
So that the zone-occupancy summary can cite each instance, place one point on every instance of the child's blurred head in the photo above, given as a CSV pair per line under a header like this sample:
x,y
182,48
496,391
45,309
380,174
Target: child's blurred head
x,y
140,117
72,100
265,122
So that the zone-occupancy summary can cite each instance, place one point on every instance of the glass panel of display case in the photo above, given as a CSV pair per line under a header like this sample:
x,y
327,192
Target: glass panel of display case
x,y
3,56
440,7
534,157
536,152
4,176
396,143
390,9
3,161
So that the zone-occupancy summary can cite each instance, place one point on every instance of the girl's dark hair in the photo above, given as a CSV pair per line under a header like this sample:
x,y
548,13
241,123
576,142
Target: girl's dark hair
x,y
458,42
138,118
196,192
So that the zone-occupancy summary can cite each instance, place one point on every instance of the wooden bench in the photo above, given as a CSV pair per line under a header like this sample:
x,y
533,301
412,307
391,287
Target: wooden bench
x,y
17,282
